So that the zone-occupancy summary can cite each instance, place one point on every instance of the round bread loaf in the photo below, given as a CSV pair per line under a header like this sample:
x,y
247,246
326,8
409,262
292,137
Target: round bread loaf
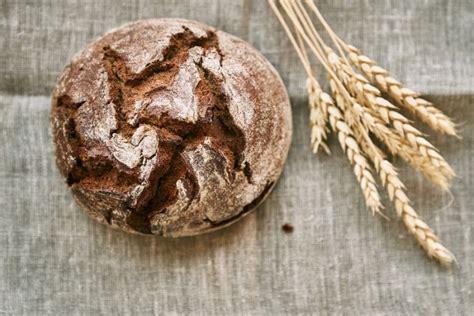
x,y
170,127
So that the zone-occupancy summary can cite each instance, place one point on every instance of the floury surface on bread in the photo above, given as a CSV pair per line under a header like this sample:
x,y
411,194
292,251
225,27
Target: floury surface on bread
x,y
170,127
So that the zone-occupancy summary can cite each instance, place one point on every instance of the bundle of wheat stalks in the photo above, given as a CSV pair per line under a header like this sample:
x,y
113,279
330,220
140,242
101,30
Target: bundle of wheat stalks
x,y
362,116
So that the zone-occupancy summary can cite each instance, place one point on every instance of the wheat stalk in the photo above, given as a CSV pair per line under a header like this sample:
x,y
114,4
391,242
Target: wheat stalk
x,y
322,105
318,103
358,111
317,100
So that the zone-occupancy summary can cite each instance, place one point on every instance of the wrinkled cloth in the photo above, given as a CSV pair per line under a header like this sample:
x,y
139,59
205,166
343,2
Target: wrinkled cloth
x,y
339,259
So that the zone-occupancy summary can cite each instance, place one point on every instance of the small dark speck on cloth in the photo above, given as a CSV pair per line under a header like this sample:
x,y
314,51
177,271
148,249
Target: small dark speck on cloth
x,y
287,228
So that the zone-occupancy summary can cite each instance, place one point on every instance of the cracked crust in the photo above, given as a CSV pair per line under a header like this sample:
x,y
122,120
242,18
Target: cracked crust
x,y
170,127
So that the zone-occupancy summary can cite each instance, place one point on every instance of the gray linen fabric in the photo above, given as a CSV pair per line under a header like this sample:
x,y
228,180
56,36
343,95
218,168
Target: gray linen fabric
x,y
339,259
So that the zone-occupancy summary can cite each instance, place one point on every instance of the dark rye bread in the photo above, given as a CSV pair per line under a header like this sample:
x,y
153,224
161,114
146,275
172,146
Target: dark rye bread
x,y
170,127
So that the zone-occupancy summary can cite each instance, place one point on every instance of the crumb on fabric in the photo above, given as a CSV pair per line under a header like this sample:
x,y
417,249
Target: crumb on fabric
x,y
287,228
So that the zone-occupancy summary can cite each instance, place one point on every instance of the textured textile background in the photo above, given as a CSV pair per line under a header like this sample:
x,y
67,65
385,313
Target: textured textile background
x,y
339,260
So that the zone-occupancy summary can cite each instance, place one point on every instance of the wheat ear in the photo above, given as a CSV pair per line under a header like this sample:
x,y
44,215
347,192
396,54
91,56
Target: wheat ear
x,y
406,98
318,117
414,224
396,190
371,97
423,156
359,162
417,227
394,142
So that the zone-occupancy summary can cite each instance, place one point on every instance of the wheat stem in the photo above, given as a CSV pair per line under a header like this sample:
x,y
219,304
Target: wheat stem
x,y
317,101
314,46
